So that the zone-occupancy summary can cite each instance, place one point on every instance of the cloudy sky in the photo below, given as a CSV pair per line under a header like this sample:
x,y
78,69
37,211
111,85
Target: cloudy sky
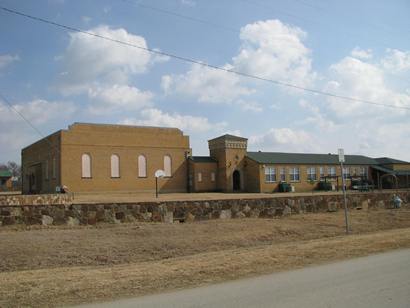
x,y
359,49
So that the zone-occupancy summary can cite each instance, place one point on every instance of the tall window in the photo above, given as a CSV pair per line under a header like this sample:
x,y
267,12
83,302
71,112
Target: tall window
x,y
115,166
167,165
199,177
311,174
270,174
346,172
321,171
54,168
212,176
294,174
283,174
86,166
331,171
46,170
363,171
142,166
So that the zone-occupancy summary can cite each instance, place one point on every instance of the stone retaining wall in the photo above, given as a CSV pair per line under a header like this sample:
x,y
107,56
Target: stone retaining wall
x,y
46,199
185,211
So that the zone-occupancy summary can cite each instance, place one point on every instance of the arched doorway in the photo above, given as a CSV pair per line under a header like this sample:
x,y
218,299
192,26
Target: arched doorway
x,y
236,177
389,181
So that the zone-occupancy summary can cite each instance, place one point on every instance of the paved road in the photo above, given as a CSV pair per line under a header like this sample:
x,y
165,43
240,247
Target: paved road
x,y
376,281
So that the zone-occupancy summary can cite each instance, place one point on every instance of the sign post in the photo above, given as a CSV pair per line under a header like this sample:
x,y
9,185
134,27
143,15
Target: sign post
x,y
158,174
341,161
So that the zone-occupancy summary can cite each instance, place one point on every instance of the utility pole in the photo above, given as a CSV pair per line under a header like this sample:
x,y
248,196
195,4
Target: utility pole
x,y
342,160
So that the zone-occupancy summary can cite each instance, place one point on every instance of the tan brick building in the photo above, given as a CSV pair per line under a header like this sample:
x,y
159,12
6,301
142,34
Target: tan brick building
x,y
96,157
106,158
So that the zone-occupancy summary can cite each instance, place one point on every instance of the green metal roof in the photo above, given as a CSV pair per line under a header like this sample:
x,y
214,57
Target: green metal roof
x,y
389,161
5,174
307,159
202,159
390,171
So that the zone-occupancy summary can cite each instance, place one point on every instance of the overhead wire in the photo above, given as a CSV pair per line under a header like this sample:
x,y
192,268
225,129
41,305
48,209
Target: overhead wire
x,y
190,18
197,62
13,109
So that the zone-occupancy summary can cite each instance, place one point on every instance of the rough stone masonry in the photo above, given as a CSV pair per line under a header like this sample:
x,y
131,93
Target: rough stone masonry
x,y
60,209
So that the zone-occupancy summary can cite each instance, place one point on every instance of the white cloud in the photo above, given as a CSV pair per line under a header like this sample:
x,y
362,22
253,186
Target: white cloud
x,y
361,80
250,106
269,49
37,111
190,3
283,139
6,60
207,85
118,98
156,117
364,54
317,119
86,19
272,49
396,61
16,134
89,60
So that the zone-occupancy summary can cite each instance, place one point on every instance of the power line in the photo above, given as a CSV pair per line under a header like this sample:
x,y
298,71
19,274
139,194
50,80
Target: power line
x,y
193,61
12,108
190,18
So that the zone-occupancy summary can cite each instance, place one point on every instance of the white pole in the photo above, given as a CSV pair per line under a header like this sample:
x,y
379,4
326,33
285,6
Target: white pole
x,y
345,199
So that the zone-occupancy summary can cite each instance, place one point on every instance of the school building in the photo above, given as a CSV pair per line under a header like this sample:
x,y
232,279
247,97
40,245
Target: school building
x,y
120,158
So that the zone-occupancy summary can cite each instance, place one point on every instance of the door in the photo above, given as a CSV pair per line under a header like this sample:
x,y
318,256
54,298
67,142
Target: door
x,y
236,176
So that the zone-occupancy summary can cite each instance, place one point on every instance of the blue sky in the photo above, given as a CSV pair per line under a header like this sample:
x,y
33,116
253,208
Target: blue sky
x,y
359,49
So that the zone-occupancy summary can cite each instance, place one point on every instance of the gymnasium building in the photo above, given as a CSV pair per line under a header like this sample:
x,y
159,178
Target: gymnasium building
x,y
120,158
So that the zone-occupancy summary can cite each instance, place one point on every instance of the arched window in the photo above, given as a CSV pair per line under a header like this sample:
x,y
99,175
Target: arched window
x,y
86,166
115,166
167,165
142,166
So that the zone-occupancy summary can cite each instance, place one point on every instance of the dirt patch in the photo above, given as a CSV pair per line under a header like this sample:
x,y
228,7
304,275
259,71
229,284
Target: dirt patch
x,y
58,265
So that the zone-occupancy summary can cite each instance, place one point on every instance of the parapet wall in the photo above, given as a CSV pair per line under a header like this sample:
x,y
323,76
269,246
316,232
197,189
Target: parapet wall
x,y
63,211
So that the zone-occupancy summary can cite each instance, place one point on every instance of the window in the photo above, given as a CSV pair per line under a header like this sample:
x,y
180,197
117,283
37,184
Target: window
x,y
311,173
294,174
199,177
54,168
213,177
352,170
167,165
321,172
331,171
86,166
363,172
270,174
142,166
346,173
46,170
283,174
115,166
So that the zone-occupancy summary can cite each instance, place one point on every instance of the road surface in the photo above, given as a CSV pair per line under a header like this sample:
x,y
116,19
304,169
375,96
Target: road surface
x,y
381,280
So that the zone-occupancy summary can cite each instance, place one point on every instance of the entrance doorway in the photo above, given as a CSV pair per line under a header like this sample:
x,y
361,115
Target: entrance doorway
x,y
236,176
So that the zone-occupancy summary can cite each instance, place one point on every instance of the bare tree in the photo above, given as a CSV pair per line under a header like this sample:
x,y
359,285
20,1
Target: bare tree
x,y
14,168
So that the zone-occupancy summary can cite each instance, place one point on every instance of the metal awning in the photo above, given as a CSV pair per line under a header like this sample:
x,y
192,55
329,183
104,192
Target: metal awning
x,y
390,171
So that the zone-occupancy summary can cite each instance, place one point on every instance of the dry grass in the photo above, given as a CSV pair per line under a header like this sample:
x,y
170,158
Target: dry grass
x,y
46,267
